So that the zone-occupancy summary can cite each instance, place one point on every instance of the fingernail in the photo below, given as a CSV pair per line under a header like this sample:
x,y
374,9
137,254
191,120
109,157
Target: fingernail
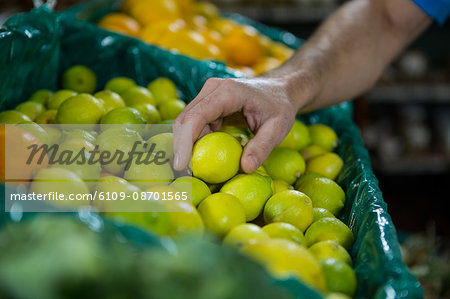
x,y
176,162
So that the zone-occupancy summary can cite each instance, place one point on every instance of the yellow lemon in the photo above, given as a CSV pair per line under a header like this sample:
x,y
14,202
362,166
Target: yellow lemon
x,y
329,249
279,185
120,22
216,157
289,206
312,151
244,233
221,212
283,258
323,136
253,190
285,164
330,229
286,231
197,189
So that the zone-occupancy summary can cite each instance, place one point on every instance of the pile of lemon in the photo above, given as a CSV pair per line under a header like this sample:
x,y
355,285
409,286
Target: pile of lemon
x,y
197,29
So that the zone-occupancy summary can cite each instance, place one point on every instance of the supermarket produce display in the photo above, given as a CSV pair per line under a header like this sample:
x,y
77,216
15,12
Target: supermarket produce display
x,y
304,196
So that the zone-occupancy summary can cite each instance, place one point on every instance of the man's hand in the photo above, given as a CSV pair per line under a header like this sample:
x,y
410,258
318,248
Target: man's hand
x,y
264,102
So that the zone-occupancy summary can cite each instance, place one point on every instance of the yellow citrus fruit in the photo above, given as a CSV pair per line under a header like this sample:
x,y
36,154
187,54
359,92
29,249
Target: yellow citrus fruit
x,y
216,157
282,230
283,258
319,213
206,9
185,222
279,185
145,176
330,229
163,143
262,171
243,47
339,277
244,233
289,206
329,249
285,164
253,190
120,22
119,84
146,12
171,109
328,164
197,189
324,193
323,136
221,212
297,138
312,151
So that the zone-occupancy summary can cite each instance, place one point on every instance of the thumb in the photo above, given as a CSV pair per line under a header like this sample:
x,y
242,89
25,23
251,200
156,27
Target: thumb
x,y
269,135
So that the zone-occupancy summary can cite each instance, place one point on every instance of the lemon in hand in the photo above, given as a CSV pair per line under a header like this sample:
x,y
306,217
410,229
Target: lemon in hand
x,y
244,233
282,230
253,190
323,136
328,165
283,258
329,249
331,229
324,193
339,277
221,212
297,138
285,164
216,157
289,206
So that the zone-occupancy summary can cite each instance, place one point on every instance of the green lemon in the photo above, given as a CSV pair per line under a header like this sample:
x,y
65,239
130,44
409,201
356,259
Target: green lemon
x,y
324,193
149,112
162,145
171,109
289,206
163,89
216,157
12,117
80,79
137,95
286,231
330,229
285,164
41,96
323,136
197,189
30,109
329,249
244,233
56,99
46,117
119,84
319,213
128,116
145,176
279,185
306,177
111,100
35,130
297,138
283,259
221,212
312,151
339,277
253,190
80,109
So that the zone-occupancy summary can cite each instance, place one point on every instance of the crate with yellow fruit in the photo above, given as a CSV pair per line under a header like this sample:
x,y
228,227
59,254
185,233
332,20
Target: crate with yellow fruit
x,y
195,29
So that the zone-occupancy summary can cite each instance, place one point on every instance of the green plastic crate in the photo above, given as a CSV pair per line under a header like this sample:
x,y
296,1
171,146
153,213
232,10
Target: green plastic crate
x,y
38,46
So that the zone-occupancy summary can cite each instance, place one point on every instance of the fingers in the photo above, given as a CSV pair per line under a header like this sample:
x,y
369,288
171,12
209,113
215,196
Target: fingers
x,y
269,135
217,102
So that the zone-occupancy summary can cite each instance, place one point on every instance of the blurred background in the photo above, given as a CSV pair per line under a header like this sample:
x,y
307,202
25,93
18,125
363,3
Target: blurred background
x,y
404,121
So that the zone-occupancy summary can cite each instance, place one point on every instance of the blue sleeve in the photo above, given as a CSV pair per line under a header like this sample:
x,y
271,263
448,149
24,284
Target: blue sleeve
x,y
439,10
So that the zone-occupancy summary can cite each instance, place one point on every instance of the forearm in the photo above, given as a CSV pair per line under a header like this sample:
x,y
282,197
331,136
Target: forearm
x,y
349,51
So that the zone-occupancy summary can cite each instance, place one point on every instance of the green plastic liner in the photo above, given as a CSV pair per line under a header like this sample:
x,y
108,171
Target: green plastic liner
x,y
36,47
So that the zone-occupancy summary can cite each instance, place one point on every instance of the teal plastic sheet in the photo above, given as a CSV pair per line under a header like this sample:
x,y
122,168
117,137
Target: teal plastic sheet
x,y
38,46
